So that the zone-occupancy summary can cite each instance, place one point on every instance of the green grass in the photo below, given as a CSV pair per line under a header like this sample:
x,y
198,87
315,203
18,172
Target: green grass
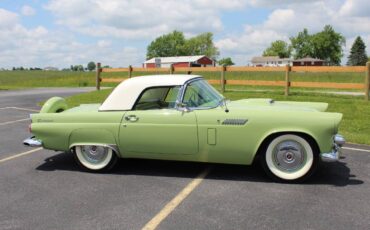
x,y
32,79
355,125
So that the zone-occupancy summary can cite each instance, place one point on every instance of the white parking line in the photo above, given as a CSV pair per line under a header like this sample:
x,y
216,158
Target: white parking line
x,y
356,149
11,122
157,219
18,108
20,155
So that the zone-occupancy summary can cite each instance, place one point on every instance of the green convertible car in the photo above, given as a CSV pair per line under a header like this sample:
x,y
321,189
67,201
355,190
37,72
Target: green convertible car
x,y
182,117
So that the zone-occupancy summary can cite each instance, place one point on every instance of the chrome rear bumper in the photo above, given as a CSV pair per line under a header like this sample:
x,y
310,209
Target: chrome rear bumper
x,y
32,142
334,155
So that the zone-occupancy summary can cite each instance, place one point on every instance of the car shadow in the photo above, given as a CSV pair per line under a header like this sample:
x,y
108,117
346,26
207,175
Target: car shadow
x,y
336,174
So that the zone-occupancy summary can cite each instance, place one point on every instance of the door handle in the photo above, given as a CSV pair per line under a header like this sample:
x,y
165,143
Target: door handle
x,y
131,118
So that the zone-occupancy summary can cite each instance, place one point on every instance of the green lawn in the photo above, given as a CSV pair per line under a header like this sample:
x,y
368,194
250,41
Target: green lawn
x,y
32,79
356,120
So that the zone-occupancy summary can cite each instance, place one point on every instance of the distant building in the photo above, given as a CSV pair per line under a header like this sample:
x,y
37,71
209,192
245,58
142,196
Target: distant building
x,y
180,61
271,61
50,68
308,61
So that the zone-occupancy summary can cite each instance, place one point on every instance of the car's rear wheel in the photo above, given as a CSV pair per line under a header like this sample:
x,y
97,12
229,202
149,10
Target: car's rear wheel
x,y
95,158
289,157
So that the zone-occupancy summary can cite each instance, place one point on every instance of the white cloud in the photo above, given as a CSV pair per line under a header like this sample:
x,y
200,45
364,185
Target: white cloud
x,y
137,22
350,18
140,18
28,10
40,47
356,8
7,18
104,43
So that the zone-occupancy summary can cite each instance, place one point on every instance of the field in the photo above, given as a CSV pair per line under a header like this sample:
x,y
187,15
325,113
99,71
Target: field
x,y
32,79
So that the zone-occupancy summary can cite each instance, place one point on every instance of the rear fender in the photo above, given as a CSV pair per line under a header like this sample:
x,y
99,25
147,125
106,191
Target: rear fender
x,y
91,136
54,105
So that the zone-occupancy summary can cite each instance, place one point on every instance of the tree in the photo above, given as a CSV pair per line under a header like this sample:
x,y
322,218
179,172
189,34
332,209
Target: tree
x,y
175,44
278,48
226,62
302,45
326,45
91,66
201,44
167,45
77,68
358,53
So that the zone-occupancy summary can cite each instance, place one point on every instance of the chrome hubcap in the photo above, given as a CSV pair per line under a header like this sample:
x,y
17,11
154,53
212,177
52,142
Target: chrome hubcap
x,y
289,156
94,154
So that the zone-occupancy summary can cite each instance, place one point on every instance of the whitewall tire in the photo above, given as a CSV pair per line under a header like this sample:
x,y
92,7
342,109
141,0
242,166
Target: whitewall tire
x,y
289,157
95,158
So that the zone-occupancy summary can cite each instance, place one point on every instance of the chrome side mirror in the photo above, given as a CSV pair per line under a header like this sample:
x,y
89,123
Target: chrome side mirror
x,y
182,107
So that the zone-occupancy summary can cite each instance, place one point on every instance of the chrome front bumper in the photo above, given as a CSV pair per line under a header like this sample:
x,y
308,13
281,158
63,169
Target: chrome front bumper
x,y
32,142
334,155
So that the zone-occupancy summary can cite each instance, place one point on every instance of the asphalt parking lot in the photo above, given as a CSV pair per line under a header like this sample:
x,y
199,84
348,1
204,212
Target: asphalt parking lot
x,y
41,189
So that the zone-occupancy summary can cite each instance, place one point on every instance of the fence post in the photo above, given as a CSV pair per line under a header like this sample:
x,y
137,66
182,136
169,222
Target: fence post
x,y
287,79
223,79
98,71
172,69
367,81
129,71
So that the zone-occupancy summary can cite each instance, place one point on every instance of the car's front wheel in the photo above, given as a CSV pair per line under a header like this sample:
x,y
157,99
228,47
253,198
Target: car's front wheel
x,y
95,158
289,157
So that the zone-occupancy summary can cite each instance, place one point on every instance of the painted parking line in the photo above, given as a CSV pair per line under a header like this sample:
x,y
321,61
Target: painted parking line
x,y
11,122
356,149
20,155
24,109
157,219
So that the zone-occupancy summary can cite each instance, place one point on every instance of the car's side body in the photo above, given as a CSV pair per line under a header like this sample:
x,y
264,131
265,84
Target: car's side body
x,y
233,133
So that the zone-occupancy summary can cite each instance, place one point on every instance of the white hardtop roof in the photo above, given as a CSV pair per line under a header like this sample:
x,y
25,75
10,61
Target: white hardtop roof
x,y
176,59
126,93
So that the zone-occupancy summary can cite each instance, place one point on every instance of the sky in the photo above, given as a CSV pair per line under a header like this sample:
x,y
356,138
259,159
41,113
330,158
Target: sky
x,y
61,33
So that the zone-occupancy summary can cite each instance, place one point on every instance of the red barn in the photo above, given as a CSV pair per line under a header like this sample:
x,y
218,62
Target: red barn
x,y
308,61
180,61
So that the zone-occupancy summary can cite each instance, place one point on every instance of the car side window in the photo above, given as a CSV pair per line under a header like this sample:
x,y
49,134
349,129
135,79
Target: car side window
x,y
201,94
157,98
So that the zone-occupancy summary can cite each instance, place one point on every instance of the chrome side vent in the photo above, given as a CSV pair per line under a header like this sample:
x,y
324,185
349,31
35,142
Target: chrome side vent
x,y
234,122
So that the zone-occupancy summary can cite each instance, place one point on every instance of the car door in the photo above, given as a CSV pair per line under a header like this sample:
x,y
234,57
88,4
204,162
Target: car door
x,y
154,126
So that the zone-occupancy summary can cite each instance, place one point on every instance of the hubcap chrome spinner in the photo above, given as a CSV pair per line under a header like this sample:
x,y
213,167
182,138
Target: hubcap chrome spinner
x,y
289,156
94,154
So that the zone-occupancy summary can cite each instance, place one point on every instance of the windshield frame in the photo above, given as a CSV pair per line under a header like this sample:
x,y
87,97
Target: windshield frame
x,y
181,95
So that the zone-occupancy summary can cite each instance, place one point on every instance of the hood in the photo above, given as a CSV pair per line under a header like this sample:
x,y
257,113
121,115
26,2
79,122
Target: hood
x,y
270,104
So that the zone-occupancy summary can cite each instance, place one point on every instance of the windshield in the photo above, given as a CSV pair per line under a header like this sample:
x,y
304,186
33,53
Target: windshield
x,y
201,94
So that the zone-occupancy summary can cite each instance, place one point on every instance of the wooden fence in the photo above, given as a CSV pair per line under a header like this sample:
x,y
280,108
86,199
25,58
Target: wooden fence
x,y
287,83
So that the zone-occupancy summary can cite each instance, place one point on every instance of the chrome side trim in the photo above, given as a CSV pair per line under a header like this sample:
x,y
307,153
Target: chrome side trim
x,y
32,142
234,122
